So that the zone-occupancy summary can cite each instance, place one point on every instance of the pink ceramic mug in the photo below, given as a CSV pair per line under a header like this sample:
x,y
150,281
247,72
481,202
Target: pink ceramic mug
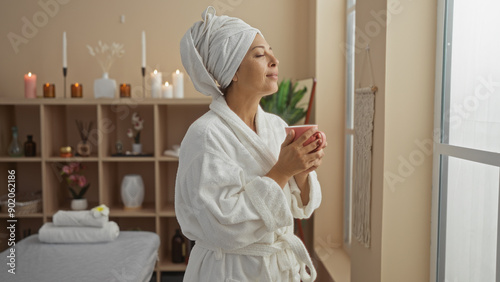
x,y
300,129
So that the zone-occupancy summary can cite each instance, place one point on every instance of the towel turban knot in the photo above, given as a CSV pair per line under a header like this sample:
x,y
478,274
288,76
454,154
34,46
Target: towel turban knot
x,y
212,50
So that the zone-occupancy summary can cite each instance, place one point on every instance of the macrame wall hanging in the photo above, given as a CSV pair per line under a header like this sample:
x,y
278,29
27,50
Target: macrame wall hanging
x,y
364,112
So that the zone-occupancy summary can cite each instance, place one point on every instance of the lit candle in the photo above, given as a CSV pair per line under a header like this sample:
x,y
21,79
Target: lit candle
x,y
125,90
166,90
76,90
30,85
143,49
65,56
178,79
49,90
156,84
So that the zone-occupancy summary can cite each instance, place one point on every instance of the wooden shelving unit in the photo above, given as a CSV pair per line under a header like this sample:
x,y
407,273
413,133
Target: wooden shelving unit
x,y
52,124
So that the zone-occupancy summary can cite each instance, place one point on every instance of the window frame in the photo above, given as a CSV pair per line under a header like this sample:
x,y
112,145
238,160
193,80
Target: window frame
x,y
350,49
442,150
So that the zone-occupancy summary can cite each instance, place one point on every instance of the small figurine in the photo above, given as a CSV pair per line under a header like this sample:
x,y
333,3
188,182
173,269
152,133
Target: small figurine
x,y
119,147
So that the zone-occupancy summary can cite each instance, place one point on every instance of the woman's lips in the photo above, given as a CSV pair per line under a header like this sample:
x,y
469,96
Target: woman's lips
x,y
273,75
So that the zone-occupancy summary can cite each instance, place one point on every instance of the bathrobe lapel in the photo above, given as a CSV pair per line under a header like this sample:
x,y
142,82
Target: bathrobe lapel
x,y
263,146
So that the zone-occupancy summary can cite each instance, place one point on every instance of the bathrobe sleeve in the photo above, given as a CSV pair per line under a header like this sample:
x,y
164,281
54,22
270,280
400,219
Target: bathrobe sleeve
x,y
217,203
298,208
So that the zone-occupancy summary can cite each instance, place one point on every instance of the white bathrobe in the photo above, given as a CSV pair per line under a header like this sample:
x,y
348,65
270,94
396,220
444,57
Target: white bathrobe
x,y
242,221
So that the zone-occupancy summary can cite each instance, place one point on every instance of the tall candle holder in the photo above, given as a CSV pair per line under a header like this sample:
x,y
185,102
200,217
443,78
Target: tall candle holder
x,y
65,72
143,82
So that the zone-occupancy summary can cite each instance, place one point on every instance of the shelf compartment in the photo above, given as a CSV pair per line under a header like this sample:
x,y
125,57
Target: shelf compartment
x,y
30,215
167,175
27,120
128,159
60,127
167,232
167,211
116,119
119,211
23,228
176,120
111,184
135,223
21,159
28,176
57,193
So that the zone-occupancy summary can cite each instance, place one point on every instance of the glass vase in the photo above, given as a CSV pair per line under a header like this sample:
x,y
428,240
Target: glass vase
x,y
15,149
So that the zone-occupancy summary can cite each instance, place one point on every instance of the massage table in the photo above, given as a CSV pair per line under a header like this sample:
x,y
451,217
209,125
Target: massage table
x,y
131,257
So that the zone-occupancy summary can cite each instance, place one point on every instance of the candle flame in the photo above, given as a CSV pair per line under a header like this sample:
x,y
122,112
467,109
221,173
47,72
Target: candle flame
x,y
76,84
166,83
155,72
29,74
177,71
47,84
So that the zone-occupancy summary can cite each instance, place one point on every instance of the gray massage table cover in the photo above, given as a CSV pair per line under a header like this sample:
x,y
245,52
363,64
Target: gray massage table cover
x,y
131,257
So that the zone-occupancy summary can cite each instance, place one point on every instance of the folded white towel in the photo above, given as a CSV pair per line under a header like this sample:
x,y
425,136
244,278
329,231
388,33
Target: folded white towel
x,y
50,233
79,218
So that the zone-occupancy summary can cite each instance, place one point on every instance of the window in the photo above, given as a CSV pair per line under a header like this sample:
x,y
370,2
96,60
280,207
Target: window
x,y
349,118
466,174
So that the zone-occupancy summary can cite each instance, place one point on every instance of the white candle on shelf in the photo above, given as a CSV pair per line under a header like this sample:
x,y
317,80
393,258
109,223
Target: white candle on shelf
x,y
65,56
178,80
156,84
143,49
30,85
166,90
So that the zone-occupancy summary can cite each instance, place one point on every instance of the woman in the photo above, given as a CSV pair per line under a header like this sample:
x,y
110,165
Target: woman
x,y
239,185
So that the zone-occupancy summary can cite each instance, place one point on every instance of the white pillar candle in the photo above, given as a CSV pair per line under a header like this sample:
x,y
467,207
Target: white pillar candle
x,y
178,80
143,49
156,84
30,85
65,56
166,90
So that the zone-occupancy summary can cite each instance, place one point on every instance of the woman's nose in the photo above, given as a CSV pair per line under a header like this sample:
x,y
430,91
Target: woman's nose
x,y
274,61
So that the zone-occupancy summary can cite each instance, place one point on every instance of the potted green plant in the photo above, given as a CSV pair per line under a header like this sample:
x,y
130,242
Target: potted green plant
x,y
284,103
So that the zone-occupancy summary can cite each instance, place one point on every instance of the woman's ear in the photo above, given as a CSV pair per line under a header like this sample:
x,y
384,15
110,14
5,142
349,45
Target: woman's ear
x,y
235,77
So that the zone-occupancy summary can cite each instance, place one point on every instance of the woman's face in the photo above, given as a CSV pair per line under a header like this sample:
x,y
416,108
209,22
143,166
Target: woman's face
x,y
258,72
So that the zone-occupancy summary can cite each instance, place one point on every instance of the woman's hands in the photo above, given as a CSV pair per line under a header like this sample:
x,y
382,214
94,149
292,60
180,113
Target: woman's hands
x,y
295,159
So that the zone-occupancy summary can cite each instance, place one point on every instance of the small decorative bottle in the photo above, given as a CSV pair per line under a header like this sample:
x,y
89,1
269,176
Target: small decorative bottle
x,y
178,247
30,147
15,149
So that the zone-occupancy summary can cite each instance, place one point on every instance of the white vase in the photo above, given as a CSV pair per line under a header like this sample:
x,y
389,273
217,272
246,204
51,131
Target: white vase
x,y
79,204
137,148
104,87
132,191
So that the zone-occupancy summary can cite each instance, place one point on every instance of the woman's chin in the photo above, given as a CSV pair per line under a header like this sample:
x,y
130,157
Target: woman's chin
x,y
267,93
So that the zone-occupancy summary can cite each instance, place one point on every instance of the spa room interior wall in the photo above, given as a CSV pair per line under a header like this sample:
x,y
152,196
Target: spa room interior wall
x,y
32,42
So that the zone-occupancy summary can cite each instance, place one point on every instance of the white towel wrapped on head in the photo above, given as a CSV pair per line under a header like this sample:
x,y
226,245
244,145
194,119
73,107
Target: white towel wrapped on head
x,y
212,50
96,217
50,233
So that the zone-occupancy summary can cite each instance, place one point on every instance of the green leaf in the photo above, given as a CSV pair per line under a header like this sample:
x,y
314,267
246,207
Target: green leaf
x,y
284,102
83,191
73,193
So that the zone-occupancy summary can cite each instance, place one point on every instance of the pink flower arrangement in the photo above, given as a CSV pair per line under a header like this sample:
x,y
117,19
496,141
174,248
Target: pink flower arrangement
x,y
77,183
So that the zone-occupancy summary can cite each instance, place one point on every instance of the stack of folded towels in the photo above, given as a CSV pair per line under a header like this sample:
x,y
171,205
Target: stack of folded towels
x,y
89,226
